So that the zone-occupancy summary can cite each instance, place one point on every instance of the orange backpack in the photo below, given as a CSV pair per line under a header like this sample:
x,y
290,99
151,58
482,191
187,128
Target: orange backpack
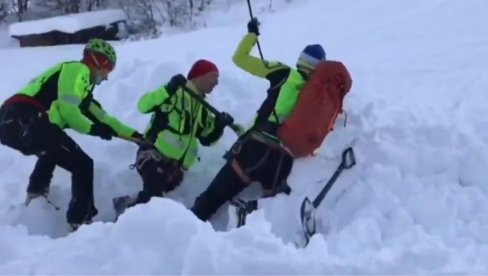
x,y
318,105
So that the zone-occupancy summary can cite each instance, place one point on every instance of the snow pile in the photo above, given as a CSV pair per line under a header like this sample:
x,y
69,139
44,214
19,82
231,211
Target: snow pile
x,y
70,23
165,238
414,203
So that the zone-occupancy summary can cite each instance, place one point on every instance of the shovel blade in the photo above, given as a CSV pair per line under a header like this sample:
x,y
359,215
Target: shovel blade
x,y
307,213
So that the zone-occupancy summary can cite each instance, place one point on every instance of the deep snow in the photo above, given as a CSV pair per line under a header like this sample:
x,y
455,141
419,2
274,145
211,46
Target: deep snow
x,y
415,202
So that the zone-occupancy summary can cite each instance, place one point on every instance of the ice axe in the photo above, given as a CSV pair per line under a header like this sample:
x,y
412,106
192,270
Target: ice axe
x,y
259,45
307,209
238,129
257,40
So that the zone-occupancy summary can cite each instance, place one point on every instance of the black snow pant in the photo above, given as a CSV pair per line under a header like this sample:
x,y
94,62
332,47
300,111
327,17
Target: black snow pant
x,y
26,129
159,175
270,166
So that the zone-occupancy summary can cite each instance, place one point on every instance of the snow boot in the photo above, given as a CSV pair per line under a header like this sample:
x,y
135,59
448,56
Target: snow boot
x,y
76,215
32,195
120,204
44,194
72,227
238,211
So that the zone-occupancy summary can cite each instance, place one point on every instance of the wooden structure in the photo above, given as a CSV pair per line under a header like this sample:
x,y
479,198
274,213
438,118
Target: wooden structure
x,y
69,29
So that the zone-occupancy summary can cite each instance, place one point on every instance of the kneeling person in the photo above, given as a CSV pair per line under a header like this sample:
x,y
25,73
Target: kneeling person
x,y
178,123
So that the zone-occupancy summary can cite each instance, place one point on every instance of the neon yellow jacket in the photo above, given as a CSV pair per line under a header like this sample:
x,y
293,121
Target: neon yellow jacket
x,y
285,85
178,123
65,90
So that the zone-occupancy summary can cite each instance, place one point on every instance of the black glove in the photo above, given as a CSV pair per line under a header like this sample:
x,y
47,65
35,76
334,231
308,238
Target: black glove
x,y
253,26
103,131
174,83
223,119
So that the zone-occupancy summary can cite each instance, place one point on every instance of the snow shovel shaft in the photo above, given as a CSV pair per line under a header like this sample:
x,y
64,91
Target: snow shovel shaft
x,y
344,165
236,128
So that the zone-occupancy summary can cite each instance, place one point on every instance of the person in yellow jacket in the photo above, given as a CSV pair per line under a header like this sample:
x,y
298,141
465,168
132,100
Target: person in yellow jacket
x,y
33,120
258,155
179,122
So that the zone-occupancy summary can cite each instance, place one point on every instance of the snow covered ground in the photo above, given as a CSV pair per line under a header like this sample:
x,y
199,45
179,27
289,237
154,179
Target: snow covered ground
x,y
5,40
416,202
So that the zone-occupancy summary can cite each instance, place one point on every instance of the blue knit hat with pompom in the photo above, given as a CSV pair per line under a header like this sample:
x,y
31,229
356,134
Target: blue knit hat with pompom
x,y
311,56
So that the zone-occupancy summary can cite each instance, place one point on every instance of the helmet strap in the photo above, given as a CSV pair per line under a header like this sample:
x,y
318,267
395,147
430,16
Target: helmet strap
x,y
90,59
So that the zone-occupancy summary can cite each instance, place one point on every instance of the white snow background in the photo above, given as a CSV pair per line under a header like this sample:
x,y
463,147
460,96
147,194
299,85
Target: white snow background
x,y
416,202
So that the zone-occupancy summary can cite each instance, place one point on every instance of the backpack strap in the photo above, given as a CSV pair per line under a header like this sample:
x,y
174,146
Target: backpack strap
x,y
160,121
194,106
267,108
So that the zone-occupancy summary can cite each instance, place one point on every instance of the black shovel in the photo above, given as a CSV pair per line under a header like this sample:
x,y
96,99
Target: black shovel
x,y
307,209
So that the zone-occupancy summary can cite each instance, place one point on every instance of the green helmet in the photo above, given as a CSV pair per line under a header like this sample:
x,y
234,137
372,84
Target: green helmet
x,y
101,46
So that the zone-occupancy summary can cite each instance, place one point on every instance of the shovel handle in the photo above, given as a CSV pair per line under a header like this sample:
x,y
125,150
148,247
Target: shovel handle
x,y
135,140
348,158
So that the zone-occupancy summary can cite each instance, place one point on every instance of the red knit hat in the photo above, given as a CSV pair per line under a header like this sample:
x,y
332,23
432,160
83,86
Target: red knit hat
x,y
200,68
